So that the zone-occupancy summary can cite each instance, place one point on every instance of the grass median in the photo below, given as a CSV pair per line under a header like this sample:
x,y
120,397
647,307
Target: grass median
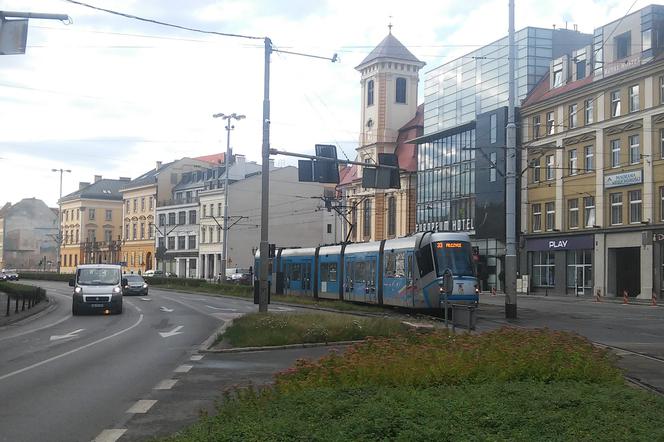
x,y
520,385
269,329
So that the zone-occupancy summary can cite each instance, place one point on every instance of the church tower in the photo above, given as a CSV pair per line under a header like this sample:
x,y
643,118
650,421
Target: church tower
x,y
389,96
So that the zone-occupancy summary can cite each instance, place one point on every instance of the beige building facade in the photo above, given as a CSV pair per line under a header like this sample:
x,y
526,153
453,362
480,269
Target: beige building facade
x,y
593,190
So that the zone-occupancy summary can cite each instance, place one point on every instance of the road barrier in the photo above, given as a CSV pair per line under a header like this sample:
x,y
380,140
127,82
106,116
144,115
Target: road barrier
x,y
26,296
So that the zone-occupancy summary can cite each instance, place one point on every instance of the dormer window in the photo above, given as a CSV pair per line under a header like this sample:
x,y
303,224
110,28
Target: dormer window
x,y
623,44
370,93
401,90
557,76
580,69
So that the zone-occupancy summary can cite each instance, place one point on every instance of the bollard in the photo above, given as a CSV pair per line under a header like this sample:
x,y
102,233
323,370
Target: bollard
x,y
598,295
625,297
653,301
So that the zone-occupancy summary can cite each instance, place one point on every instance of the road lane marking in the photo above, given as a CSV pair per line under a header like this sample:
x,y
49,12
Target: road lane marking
x,y
196,357
83,347
145,299
166,384
223,309
183,368
110,435
67,336
142,406
166,309
175,331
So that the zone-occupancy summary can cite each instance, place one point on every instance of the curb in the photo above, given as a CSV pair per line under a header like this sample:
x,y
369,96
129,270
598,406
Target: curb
x,y
29,314
282,347
205,345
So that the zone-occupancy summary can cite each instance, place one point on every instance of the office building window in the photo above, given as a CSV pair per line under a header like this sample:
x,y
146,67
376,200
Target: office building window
x,y
91,214
171,219
143,204
615,103
573,209
536,127
192,217
204,206
133,231
367,218
401,90
151,230
181,242
588,111
550,123
329,228
589,211
203,230
108,215
589,154
142,230
634,152
537,217
171,243
572,162
615,153
151,203
182,218
536,170
616,208
192,242
550,216
494,128
544,269
127,207
370,93
549,168
635,206
572,116
492,166
634,98
127,231
162,219
135,204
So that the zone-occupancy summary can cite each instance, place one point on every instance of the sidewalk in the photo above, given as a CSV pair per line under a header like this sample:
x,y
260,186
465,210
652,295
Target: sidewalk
x,y
570,298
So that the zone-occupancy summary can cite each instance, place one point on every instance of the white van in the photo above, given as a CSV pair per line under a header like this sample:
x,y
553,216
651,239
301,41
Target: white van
x,y
97,288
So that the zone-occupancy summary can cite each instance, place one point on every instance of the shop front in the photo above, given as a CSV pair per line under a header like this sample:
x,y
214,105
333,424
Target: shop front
x,y
561,265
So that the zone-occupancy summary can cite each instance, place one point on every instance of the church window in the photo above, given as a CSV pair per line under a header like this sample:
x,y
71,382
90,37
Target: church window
x,y
401,90
370,93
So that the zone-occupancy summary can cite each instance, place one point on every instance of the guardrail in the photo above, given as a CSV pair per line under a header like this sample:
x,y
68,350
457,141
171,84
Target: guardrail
x,y
23,295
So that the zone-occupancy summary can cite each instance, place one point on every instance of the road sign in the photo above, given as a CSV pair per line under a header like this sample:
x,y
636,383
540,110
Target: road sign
x,y
13,36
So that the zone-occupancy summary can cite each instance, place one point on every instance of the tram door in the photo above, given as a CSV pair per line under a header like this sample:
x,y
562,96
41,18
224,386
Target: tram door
x,y
306,278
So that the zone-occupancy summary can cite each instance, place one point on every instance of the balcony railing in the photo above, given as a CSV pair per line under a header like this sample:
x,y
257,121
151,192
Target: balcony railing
x,y
177,201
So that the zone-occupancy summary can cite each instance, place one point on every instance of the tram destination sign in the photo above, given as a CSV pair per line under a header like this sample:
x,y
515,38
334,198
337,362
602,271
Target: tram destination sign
x,y
623,179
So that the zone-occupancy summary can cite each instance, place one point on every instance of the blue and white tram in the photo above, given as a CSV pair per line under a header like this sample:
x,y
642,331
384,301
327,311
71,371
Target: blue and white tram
x,y
404,272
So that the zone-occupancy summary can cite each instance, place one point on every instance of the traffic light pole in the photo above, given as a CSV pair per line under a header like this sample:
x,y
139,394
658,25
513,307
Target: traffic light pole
x,y
263,294
336,160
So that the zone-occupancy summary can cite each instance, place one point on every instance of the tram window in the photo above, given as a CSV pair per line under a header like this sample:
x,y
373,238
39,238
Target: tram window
x,y
410,268
360,270
395,265
328,271
295,272
425,260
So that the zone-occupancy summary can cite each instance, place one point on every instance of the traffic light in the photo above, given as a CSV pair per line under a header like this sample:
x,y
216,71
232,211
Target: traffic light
x,y
326,171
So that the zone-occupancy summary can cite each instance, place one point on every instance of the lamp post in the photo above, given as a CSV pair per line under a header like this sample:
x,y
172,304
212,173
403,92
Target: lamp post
x,y
227,158
59,239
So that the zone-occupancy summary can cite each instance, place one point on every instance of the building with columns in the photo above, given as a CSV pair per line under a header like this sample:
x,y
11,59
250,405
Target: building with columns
x,y
593,184
389,118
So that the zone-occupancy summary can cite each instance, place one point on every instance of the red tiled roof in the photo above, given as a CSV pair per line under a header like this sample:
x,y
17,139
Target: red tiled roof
x,y
347,175
542,91
217,158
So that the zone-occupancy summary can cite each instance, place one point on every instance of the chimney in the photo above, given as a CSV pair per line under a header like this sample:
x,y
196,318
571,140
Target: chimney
x,y
158,165
125,178
82,184
97,178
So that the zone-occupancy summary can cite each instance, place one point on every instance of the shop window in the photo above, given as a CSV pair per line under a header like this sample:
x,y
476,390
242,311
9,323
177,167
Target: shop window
x,y
543,269
580,270
573,213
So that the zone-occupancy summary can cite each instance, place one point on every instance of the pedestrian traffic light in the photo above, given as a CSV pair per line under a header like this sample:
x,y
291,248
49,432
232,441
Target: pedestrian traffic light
x,y
326,171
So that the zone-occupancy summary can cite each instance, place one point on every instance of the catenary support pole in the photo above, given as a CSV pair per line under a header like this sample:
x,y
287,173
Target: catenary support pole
x,y
510,182
265,184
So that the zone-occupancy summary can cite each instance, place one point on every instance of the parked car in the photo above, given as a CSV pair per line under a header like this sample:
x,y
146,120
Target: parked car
x,y
134,285
239,276
10,275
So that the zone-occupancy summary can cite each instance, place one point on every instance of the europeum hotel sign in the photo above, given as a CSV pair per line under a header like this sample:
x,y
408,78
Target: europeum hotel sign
x,y
623,179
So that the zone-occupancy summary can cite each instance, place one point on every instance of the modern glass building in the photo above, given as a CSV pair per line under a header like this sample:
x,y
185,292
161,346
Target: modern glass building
x,y
461,161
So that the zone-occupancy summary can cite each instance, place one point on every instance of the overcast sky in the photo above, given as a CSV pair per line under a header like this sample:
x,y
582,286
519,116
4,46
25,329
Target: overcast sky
x,y
108,95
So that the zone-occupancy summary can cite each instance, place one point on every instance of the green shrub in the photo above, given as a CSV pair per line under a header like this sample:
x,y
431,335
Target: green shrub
x,y
15,289
46,276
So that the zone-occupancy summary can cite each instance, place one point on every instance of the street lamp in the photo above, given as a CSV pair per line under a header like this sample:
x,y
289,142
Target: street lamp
x,y
59,240
229,127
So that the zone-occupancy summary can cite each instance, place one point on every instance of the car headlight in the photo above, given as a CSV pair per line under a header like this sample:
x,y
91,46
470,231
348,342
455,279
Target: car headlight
x,y
145,285
78,290
116,289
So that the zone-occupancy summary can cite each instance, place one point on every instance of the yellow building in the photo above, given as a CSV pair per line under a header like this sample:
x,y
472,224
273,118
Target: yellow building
x,y
389,118
139,203
593,130
91,224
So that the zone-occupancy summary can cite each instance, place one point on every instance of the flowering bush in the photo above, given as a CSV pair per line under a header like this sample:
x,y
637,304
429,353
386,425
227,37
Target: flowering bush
x,y
440,358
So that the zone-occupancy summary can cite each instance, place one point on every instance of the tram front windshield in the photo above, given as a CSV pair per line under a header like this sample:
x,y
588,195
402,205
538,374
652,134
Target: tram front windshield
x,y
454,255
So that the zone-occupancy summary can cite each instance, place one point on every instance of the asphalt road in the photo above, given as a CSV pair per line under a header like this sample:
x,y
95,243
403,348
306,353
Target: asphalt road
x,y
66,378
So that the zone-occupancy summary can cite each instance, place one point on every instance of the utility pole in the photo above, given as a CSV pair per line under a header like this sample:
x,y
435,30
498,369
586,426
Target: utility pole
x,y
510,182
265,183
227,161
60,239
